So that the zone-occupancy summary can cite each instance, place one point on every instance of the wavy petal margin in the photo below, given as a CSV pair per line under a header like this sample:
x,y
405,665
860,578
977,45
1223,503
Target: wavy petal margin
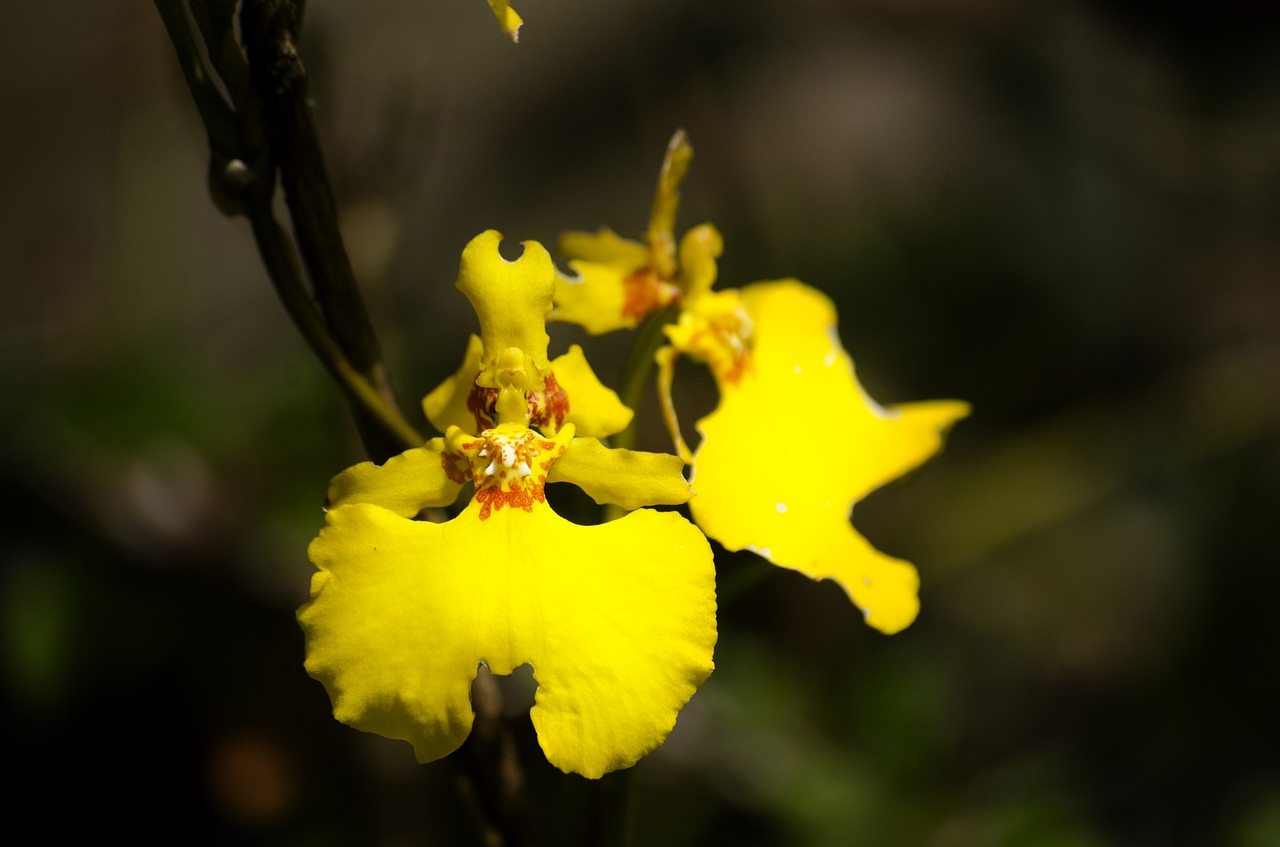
x,y
618,621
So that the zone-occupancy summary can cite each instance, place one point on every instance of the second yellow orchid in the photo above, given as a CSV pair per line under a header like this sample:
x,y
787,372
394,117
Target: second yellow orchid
x,y
773,351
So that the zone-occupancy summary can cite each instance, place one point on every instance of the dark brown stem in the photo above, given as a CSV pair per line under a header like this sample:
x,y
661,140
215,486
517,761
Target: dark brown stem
x,y
282,267
492,765
269,29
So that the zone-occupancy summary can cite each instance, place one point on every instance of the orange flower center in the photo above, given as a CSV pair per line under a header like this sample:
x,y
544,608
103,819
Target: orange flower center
x,y
508,465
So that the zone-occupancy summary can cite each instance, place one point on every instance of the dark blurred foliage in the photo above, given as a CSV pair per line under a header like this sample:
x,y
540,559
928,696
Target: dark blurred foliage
x,y
1064,212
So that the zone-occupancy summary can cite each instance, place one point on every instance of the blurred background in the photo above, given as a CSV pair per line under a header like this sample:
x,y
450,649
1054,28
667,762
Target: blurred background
x,y
1065,212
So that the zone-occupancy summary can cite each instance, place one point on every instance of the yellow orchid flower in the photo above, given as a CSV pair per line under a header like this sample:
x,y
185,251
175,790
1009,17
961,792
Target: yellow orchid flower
x,y
620,281
618,620
772,348
507,18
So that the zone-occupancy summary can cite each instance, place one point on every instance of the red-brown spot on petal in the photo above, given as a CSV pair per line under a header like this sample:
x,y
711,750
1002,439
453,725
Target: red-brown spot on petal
x,y
456,468
482,403
496,497
548,407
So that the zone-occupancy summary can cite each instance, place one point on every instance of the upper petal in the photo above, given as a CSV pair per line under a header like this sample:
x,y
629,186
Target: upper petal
x,y
511,299
618,621
666,202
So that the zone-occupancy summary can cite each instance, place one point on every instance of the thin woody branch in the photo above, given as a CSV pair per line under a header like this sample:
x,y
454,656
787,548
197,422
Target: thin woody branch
x,y
269,30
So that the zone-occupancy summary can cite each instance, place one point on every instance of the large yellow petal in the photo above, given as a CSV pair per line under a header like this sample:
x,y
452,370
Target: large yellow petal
x,y
618,621
798,361
788,491
626,478
406,484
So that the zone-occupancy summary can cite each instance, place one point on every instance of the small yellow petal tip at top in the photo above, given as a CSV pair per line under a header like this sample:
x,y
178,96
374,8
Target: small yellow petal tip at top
x,y
617,620
783,378
507,19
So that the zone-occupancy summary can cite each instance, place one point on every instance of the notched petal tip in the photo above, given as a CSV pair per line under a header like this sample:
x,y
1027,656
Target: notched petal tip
x,y
511,298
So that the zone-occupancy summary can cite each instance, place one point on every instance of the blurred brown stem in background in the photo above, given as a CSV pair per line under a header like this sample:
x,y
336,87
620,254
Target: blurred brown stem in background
x,y
252,100
265,129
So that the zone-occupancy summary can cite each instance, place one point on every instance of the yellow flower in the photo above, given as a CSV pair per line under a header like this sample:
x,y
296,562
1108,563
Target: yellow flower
x,y
795,441
618,620
507,18
619,281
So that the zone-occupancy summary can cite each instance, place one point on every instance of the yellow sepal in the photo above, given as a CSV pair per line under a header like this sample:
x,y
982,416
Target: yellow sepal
x,y
404,484
603,247
594,409
666,202
625,478
446,405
